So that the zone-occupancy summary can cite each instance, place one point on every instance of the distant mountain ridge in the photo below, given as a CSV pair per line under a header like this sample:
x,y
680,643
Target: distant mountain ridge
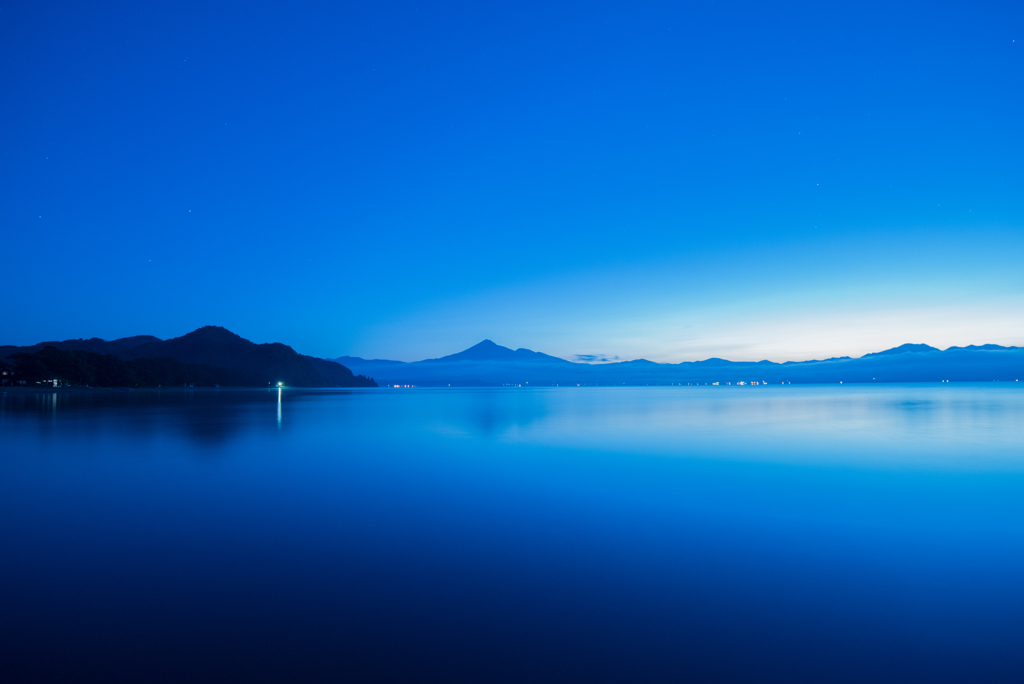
x,y
489,364
211,353
482,351
985,347
904,349
489,351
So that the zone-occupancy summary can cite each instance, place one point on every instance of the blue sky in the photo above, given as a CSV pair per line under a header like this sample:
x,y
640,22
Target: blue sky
x,y
403,180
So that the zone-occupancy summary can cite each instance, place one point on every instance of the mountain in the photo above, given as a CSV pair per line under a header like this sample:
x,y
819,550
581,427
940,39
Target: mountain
x,y
485,352
489,351
984,347
210,345
210,355
258,364
488,364
905,349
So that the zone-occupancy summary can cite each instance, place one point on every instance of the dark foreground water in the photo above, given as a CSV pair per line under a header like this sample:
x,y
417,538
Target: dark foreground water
x,y
791,534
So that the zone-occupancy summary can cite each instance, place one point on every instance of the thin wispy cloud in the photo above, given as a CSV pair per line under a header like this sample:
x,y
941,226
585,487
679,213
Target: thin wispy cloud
x,y
595,358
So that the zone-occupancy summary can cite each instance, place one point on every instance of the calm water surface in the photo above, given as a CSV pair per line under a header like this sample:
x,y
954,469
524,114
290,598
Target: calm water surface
x,y
840,533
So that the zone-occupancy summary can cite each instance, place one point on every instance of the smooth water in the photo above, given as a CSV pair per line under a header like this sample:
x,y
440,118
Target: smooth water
x,y
796,533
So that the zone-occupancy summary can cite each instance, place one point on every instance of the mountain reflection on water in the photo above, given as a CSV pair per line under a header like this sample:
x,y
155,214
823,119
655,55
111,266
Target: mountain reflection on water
x,y
815,533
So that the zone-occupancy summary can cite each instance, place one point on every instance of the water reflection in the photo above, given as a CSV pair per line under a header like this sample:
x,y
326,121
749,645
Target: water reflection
x,y
489,413
929,426
891,425
660,534
206,419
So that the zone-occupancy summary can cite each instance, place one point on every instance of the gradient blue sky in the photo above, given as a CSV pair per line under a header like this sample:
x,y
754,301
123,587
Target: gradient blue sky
x,y
665,181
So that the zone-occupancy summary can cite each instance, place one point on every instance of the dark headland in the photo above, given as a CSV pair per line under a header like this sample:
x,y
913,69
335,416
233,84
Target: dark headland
x,y
207,357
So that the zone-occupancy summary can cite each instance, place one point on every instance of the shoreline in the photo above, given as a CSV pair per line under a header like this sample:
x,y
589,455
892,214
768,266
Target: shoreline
x,y
125,390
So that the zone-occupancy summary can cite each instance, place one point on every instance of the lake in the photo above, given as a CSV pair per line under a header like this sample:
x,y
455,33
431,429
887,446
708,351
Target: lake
x,y
791,533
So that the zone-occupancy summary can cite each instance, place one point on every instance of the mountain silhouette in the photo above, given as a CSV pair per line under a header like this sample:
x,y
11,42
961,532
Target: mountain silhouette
x,y
489,351
904,349
210,345
489,364
210,355
984,347
259,364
